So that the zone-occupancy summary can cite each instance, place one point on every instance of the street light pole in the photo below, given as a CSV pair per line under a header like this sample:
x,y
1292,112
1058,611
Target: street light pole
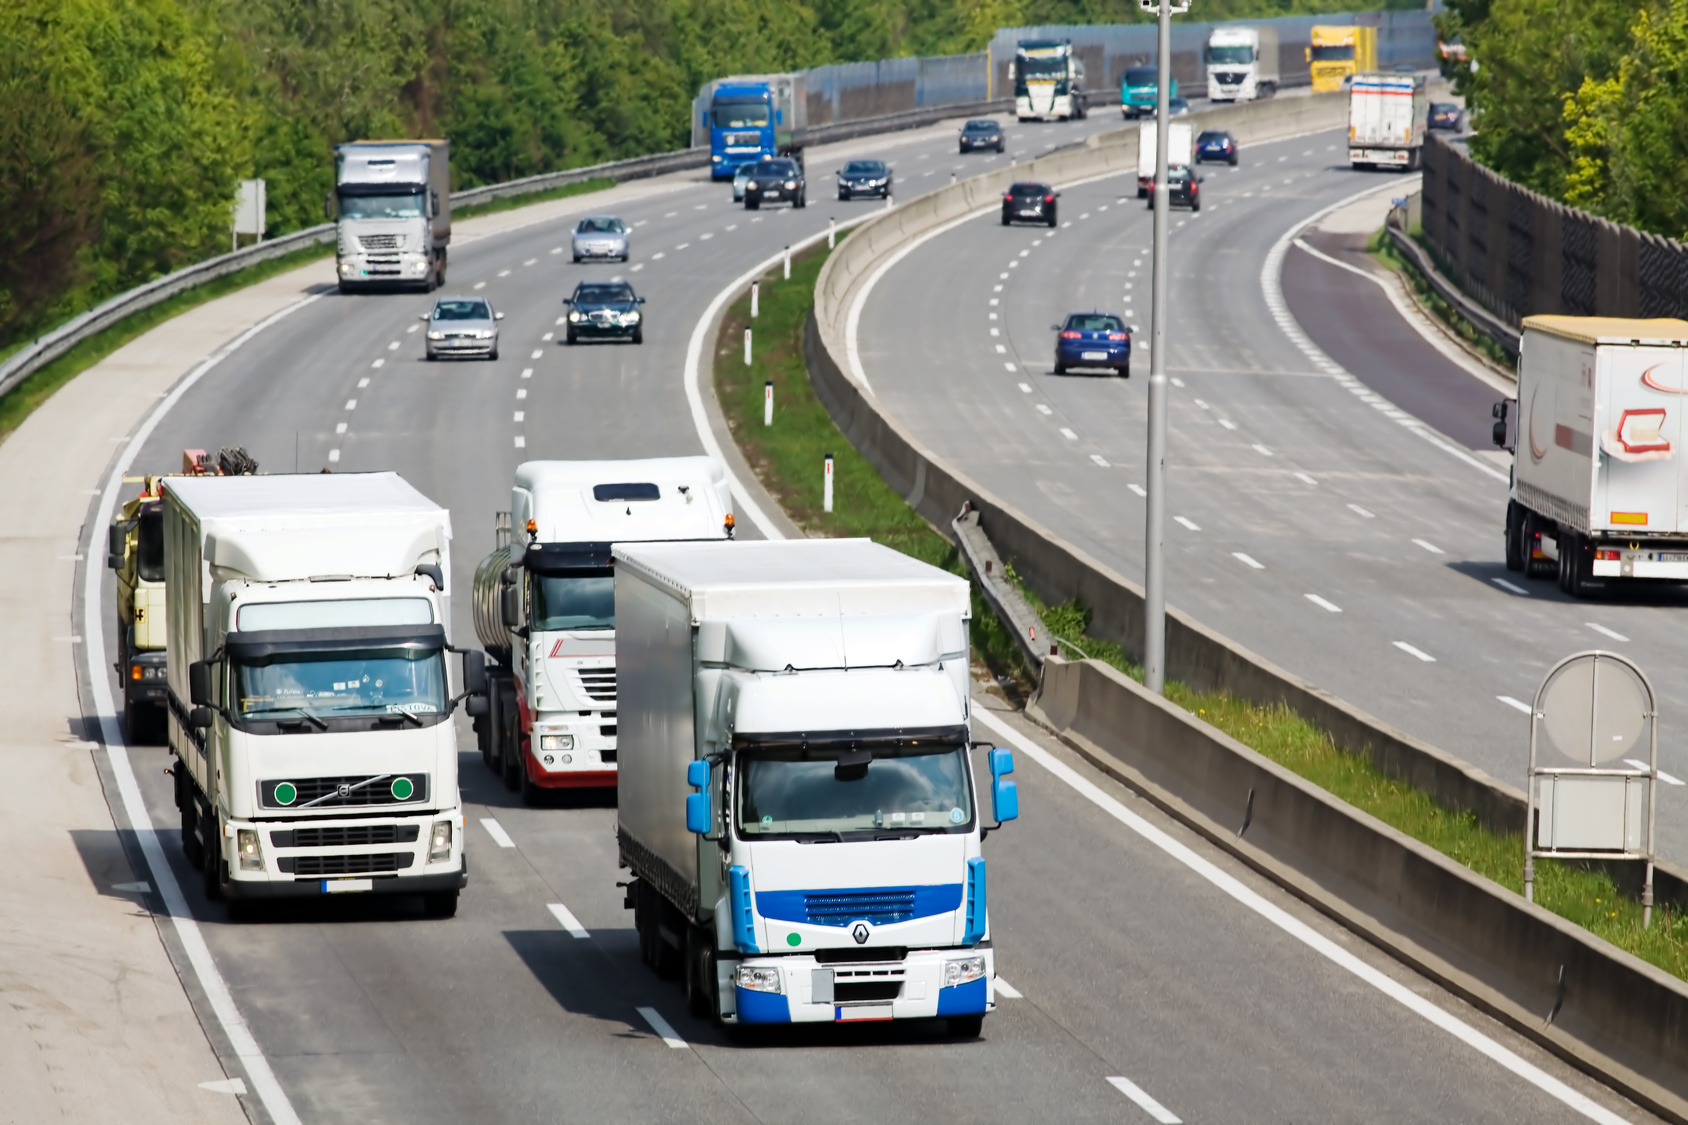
x,y
1154,561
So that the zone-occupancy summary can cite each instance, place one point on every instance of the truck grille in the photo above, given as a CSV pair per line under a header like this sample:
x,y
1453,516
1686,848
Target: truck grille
x,y
307,789
880,907
345,836
598,684
748,140
376,864
858,992
380,241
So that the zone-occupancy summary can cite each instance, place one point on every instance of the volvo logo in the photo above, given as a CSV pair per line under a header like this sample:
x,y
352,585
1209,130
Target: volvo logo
x,y
861,931
345,790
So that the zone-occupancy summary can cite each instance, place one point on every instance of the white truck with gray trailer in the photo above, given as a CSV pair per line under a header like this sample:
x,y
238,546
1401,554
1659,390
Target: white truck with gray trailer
x,y
797,800
392,210
1598,468
1242,63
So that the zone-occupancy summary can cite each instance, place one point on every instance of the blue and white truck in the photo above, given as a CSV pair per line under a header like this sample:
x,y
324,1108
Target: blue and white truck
x,y
798,802
746,118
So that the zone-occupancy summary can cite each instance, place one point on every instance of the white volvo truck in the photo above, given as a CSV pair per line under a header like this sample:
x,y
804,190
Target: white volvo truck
x,y
392,212
1598,467
310,717
544,607
1242,63
798,803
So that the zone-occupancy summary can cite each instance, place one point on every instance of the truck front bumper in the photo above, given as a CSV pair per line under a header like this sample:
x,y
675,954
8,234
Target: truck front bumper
x,y
583,756
410,268
333,858
863,991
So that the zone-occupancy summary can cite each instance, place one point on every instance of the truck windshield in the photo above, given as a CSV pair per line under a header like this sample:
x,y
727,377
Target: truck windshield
x,y
407,206
740,115
1142,76
1343,53
1238,56
576,599
1049,66
149,557
795,793
341,684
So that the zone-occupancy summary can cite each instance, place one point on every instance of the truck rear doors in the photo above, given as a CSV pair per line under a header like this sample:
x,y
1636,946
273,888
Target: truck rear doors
x,y
1638,429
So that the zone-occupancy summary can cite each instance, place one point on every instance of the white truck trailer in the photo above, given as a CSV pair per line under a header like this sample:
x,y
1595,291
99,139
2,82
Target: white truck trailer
x,y
310,717
779,696
1242,63
1598,466
392,210
1180,151
1387,116
544,607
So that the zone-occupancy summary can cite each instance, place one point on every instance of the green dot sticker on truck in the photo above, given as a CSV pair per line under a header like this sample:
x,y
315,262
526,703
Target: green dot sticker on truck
x,y
794,940
403,788
285,793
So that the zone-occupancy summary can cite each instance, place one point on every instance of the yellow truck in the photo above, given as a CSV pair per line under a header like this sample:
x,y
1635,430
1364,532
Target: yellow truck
x,y
1336,54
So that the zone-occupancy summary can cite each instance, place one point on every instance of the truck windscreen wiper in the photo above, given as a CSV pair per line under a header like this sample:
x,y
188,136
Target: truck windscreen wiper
x,y
404,715
309,716
819,838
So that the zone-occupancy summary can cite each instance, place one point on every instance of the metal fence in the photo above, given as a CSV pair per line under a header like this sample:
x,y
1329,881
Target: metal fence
x,y
1522,254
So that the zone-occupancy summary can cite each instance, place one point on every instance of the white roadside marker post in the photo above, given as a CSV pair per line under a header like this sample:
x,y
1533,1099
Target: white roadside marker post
x,y
788,263
831,234
826,499
768,403
755,295
747,347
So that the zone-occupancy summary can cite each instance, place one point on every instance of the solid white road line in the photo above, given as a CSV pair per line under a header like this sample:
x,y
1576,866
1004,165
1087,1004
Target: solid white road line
x,y
1605,632
1411,651
1510,587
1323,604
1635,762
1003,988
1431,547
663,1028
216,989
1517,704
1144,1102
1247,560
1299,930
569,921
496,831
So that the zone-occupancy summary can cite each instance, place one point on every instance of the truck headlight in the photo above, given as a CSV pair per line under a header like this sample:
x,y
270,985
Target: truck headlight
x,y
436,335
439,842
556,742
962,970
251,856
757,978
346,268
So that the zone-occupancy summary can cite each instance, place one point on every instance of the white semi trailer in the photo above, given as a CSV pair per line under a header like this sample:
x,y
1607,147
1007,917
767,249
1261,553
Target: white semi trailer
x,y
1598,467
1387,116
392,210
310,716
544,607
797,801
1242,63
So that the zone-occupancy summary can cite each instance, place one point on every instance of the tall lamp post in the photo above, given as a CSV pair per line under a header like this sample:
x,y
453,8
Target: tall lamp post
x,y
1154,562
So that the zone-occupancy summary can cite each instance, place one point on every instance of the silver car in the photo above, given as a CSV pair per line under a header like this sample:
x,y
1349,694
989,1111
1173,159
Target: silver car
x,y
601,236
462,326
740,178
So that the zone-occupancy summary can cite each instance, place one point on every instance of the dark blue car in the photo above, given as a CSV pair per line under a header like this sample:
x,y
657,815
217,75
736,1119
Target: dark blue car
x,y
1093,339
1216,144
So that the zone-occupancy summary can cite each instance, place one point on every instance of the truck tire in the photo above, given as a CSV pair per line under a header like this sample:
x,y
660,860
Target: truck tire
x,y
511,760
1515,554
966,1027
211,867
532,795
700,973
670,955
642,925
440,904
1576,565
192,849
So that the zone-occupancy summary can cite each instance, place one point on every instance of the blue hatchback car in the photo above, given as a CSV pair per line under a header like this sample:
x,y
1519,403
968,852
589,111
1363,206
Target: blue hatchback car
x,y
1093,339
1216,144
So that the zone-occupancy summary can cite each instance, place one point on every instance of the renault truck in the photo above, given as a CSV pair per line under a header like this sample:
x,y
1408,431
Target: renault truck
x,y
1598,472
310,720
544,607
392,210
1242,63
799,802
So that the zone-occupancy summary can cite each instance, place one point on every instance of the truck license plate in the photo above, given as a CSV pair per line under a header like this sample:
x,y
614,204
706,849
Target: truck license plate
x,y
857,1012
1095,355
1672,556
341,886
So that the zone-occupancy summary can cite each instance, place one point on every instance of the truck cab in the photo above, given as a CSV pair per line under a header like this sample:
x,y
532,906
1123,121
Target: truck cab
x,y
1139,90
1336,53
1242,63
748,119
392,207
1048,81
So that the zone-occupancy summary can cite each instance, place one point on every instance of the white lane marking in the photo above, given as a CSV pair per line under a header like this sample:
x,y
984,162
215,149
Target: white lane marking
x,y
521,415
1023,253
351,404
1227,423
640,223
569,921
1431,547
1012,265
1003,988
996,301
1187,522
527,372
1010,367
663,1028
503,273
363,382
1176,381
1323,604
480,285
997,289
1201,403
1138,489
996,331
521,442
530,261
682,246
1635,763
1066,224
1295,928
1002,276
393,347
1043,409
141,888
537,352
334,456
1361,512
340,428
1605,632
705,236
637,266
379,363
1068,434
1516,704
496,831
1144,1102
732,226
562,320
1248,560
1262,450
1084,216
556,249
1510,587
411,329
659,255
1001,350
521,393
1026,388
671,214
1305,479
1099,459
1418,652
547,336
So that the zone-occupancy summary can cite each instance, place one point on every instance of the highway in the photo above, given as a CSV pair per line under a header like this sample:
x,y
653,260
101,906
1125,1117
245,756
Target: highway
x,y
1333,503
1155,978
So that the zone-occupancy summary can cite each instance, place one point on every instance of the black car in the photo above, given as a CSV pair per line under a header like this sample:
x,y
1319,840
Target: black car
x,y
605,310
779,178
1029,203
864,177
1446,115
1184,189
980,134
1216,144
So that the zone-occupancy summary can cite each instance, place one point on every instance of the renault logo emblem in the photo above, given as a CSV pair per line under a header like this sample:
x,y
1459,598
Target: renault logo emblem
x,y
860,931
345,790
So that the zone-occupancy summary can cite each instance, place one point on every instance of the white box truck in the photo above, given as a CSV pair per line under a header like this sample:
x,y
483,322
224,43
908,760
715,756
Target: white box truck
x,y
544,607
1598,467
1387,116
1180,152
797,801
392,212
1242,63
310,717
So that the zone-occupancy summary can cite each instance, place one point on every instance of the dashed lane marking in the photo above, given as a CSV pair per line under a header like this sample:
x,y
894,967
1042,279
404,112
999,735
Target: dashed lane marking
x,y
1510,587
1410,650
1515,704
665,1031
570,922
1605,632
1431,547
1248,560
1328,606
496,831
1187,522
1144,1102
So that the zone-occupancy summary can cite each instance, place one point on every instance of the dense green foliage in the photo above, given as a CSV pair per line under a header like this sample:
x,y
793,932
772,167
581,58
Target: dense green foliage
x,y
125,124
1586,103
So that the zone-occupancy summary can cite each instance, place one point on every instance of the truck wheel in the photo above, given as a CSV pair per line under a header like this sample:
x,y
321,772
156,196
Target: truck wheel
x,y
440,904
700,973
1515,556
966,1027
191,847
513,768
670,955
642,924
532,795
211,870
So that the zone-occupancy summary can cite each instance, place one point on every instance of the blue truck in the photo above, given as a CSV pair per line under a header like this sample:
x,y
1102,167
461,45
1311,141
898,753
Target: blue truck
x,y
747,118
1138,89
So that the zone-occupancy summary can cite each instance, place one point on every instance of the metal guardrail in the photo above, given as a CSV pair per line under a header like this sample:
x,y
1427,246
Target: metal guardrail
x,y
29,359
1481,318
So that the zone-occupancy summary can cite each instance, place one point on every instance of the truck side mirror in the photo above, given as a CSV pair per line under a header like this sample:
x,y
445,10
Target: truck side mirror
x,y
200,717
328,206
474,672
1005,795
510,606
700,816
476,706
1498,433
115,536
199,683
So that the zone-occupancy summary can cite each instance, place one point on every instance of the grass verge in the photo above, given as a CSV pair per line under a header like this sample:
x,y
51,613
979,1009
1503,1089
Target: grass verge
x,y
1383,249
787,459
511,202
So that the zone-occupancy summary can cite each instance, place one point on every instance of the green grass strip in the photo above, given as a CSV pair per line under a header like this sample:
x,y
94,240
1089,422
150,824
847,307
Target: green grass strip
x,y
787,459
1383,249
